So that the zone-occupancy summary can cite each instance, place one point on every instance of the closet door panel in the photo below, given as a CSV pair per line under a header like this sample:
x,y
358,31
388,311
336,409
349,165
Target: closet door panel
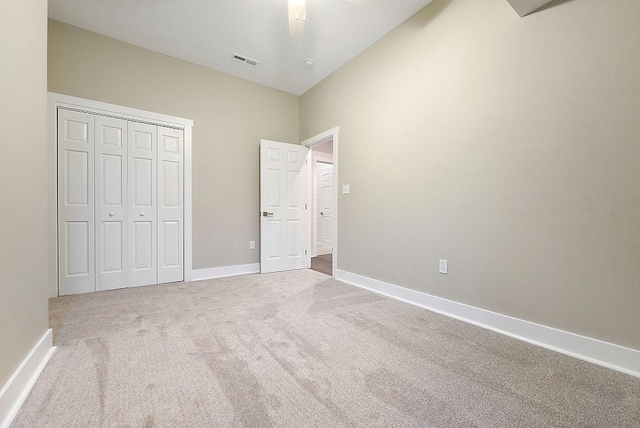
x,y
143,212
143,245
76,226
170,205
171,243
111,200
77,251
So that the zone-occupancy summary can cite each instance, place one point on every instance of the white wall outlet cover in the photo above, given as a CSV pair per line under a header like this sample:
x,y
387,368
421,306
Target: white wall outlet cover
x,y
345,189
252,245
443,267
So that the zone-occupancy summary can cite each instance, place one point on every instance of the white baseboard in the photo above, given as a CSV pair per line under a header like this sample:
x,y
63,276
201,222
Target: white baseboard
x,y
596,351
15,391
225,271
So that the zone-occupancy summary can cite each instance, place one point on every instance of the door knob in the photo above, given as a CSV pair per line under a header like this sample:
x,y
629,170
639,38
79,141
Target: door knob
x,y
141,214
110,214
321,213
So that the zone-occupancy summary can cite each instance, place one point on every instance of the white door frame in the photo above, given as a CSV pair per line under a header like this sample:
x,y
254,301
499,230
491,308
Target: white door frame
x,y
56,101
330,135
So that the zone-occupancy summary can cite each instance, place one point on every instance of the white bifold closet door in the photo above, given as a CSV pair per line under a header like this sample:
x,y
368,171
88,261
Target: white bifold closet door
x,y
76,221
170,203
111,202
120,203
143,204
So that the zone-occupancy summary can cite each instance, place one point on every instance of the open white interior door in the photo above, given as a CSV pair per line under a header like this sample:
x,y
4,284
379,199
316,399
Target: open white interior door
x,y
324,208
284,244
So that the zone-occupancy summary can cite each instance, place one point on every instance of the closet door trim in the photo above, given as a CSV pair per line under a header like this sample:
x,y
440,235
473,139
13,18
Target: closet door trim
x,y
66,102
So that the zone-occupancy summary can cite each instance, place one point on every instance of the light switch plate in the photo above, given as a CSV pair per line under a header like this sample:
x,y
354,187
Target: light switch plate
x,y
345,189
252,245
443,267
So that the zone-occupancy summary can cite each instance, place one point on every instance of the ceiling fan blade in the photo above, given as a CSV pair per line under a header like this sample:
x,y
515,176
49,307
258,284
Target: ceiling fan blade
x,y
365,3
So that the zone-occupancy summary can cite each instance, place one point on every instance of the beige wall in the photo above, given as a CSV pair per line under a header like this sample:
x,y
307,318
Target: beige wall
x,y
509,146
230,117
24,315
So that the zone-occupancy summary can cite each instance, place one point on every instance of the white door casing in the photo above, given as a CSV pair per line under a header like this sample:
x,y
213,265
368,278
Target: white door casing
x,y
111,201
283,207
143,204
76,222
170,204
324,208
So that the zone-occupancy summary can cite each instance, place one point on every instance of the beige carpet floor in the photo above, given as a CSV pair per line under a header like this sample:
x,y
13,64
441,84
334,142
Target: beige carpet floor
x,y
299,349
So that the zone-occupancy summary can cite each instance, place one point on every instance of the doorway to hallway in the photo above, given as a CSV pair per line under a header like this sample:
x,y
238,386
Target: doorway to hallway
x,y
323,222
322,207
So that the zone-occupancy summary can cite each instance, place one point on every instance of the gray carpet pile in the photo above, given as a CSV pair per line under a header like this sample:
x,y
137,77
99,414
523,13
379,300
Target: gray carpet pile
x,y
299,349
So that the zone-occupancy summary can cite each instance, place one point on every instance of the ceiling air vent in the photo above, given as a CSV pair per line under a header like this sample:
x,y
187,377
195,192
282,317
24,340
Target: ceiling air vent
x,y
245,60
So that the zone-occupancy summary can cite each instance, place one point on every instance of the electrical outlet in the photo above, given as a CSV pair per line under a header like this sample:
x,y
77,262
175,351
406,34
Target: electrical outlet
x,y
443,267
252,245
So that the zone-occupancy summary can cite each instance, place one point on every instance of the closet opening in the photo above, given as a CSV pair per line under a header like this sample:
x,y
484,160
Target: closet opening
x,y
120,213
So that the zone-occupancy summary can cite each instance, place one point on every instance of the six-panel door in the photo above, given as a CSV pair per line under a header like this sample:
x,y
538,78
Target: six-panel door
x,y
283,240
